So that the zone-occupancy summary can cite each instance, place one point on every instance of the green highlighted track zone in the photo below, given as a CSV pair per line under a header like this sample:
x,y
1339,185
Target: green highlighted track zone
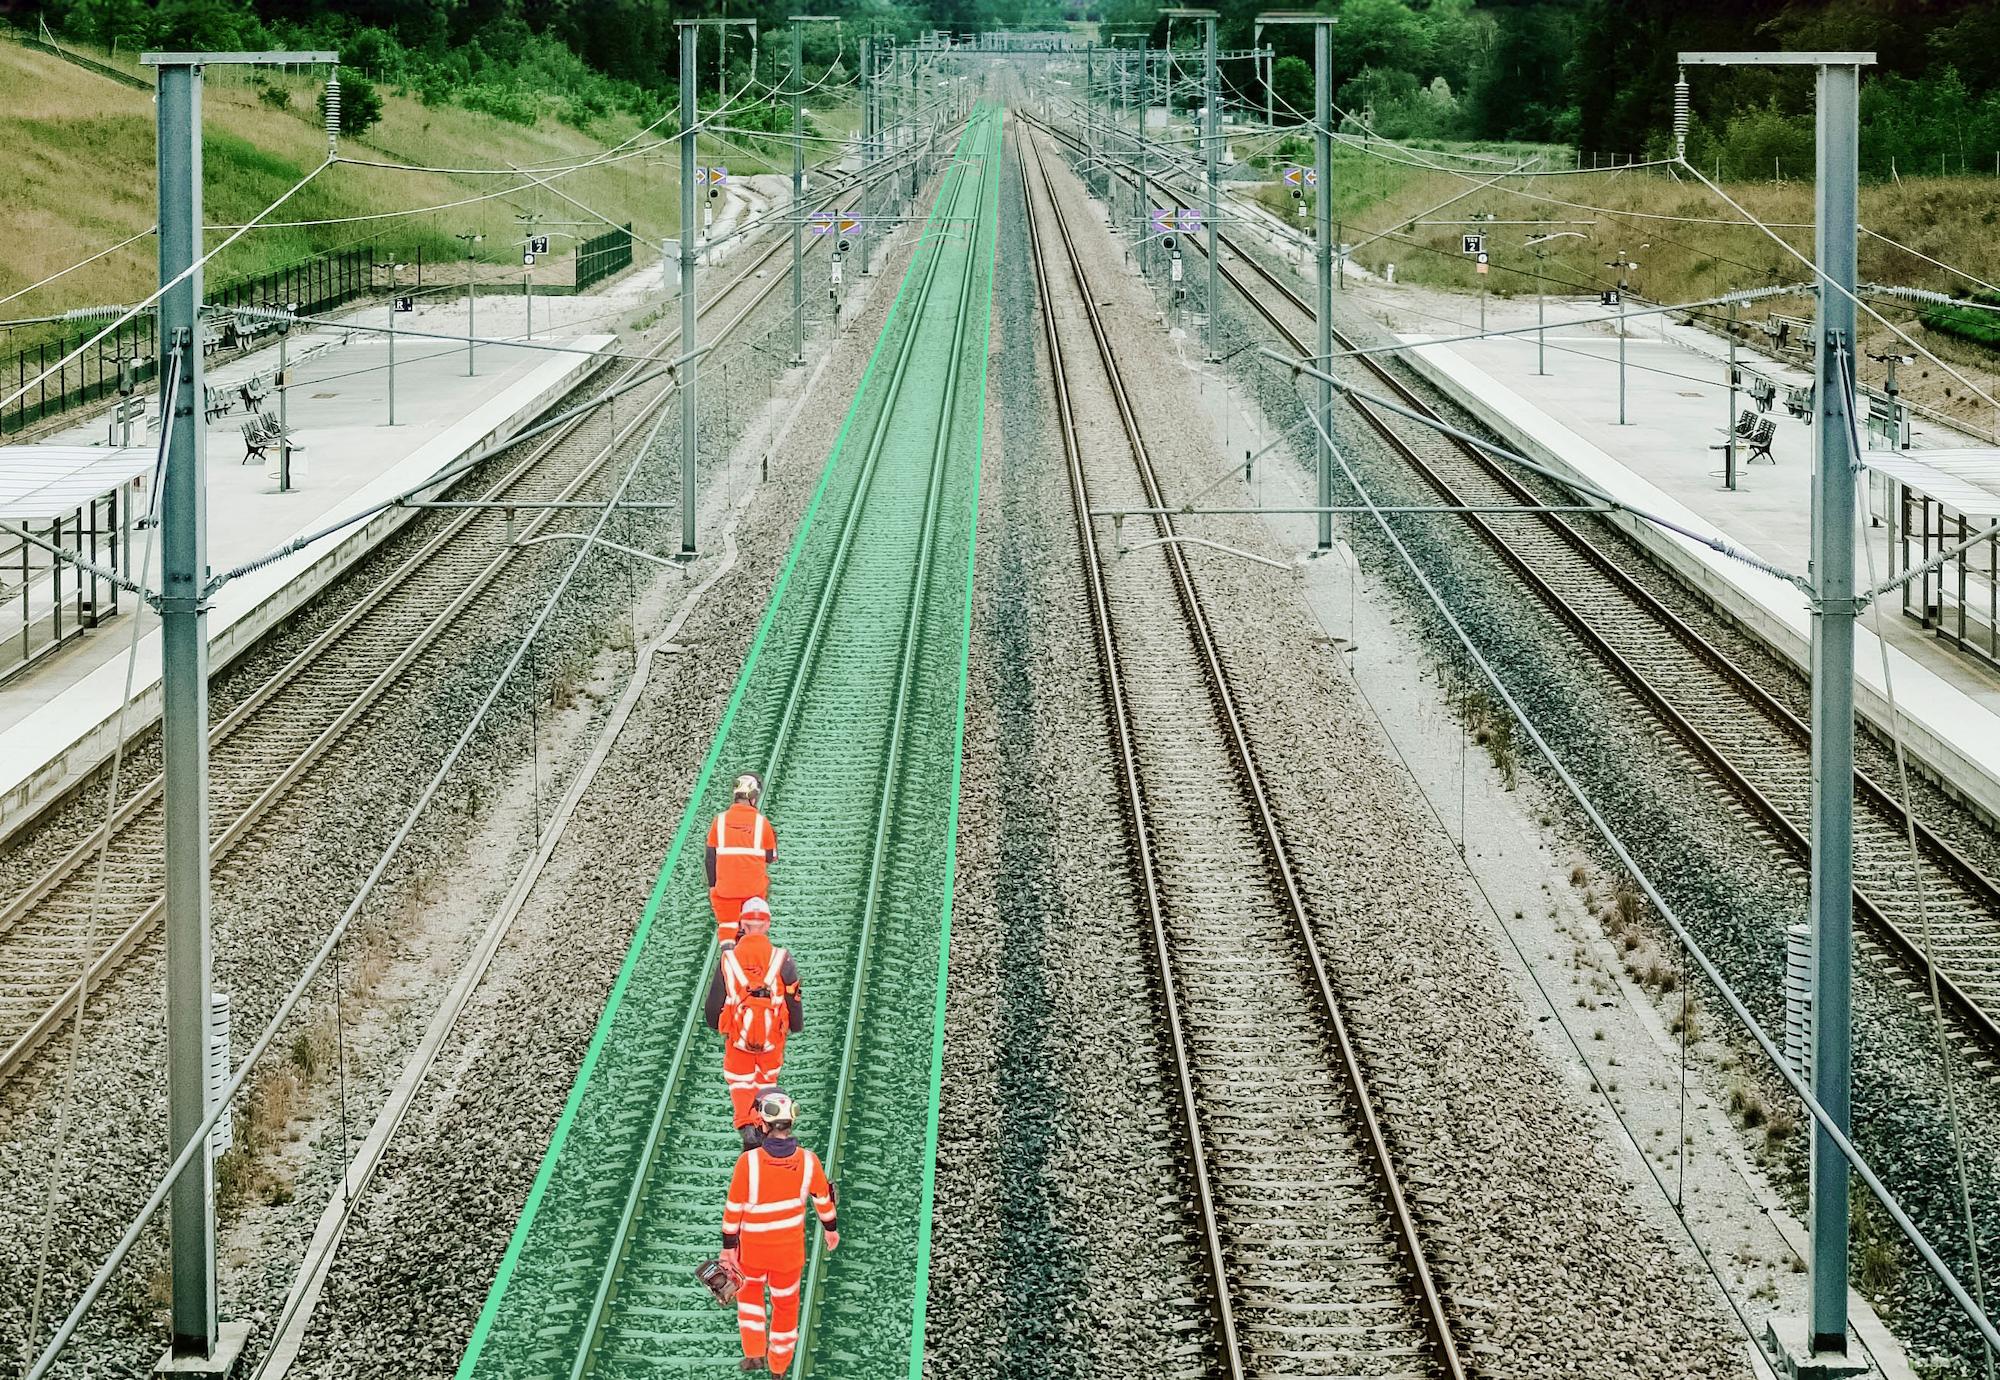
x,y
852,702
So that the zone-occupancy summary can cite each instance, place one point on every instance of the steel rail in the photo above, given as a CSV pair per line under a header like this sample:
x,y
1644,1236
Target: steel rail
x,y
1982,1024
380,595
1128,770
1222,696
605,1298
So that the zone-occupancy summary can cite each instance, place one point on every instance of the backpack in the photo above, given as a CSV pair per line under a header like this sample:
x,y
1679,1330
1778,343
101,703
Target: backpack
x,y
754,1015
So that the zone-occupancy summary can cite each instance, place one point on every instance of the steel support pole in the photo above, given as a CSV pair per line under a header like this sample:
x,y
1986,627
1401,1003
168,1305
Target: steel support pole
x,y
1090,111
1833,513
867,141
1323,251
471,310
1621,353
184,723
1729,417
798,194
392,349
1541,322
1212,127
690,328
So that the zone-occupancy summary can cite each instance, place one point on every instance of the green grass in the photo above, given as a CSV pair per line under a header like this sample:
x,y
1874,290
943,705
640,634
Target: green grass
x,y
79,183
1968,323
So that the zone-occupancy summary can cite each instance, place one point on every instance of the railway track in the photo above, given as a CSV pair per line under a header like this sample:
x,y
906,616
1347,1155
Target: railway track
x,y
1743,737
848,709
1316,1265
268,744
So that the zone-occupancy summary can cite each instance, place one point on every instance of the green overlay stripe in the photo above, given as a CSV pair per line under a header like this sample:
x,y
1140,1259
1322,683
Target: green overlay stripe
x,y
637,1166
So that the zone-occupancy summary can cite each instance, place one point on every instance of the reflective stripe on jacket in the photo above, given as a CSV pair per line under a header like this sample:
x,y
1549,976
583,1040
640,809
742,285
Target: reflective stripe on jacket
x,y
766,1210
742,843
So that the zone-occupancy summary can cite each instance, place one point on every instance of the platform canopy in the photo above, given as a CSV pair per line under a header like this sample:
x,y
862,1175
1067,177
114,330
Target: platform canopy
x,y
1965,480
42,482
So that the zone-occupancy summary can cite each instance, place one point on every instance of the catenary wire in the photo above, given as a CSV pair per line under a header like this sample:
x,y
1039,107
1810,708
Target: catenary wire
x,y
162,290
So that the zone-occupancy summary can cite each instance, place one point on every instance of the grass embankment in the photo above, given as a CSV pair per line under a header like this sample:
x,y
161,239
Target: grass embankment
x,y
1680,235
80,182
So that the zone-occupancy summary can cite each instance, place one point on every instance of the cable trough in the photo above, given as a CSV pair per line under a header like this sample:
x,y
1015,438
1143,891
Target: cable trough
x,y
1313,1255
1742,735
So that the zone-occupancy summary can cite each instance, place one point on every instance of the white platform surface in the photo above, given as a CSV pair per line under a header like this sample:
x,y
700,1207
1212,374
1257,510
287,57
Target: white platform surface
x,y
56,720
1660,462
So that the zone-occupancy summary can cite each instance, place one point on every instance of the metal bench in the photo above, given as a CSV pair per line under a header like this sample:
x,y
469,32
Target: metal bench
x,y
261,432
253,391
1791,333
1755,432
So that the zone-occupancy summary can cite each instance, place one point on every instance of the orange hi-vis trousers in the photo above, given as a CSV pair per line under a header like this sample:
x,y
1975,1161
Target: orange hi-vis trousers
x,y
727,909
745,1072
780,1336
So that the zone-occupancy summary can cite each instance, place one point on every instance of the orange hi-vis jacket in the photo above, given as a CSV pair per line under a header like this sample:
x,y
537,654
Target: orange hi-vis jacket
x,y
741,844
757,996
765,1216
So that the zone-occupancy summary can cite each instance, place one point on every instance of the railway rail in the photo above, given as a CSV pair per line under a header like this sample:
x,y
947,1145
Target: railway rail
x,y
1316,1264
1742,735
850,704
262,749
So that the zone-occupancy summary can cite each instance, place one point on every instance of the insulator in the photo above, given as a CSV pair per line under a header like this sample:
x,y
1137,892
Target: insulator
x,y
332,114
1681,117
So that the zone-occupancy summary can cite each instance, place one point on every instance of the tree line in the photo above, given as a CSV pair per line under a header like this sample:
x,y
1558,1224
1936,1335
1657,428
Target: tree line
x,y
1594,74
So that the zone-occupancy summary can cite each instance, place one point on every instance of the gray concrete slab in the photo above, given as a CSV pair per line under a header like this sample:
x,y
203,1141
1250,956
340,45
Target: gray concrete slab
x,y
1660,460
56,720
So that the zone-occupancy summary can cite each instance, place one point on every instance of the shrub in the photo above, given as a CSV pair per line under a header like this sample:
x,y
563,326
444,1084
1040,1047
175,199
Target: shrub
x,y
1968,323
360,104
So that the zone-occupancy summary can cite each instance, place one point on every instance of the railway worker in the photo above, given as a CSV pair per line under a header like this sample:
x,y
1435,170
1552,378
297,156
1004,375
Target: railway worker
x,y
753,1003
764,1232
742,845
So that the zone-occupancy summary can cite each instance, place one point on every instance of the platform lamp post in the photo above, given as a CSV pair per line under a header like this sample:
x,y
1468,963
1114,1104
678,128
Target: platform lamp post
x,y
798,84
395,305
1210,127
1624,266
199,1342
1537,243
471,295
1819,1348
1322,237
690,341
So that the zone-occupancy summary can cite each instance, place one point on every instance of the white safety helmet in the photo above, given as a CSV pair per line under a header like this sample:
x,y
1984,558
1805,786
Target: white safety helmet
x,y
749,786
775,1110
754,913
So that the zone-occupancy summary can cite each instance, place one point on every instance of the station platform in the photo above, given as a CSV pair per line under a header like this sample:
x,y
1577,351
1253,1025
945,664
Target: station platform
x,y
58,718
1676,409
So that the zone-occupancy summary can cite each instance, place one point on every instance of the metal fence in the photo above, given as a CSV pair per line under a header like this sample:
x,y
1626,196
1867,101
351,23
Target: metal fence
x,y
600,257
315,285
81,381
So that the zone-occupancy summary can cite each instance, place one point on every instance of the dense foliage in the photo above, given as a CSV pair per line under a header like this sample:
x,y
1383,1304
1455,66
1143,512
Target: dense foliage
x,y
1596,74
1969,322
1599,74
